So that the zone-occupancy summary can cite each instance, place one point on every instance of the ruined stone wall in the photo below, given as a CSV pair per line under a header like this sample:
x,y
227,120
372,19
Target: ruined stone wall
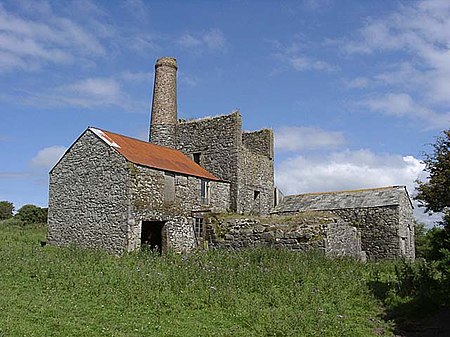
x,y
255,183
379,227
248,167
218,141
88,204
260,142
323,232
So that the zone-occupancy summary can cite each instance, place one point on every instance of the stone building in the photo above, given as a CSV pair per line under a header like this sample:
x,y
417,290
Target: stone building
x,y
383,216
117,193
245,159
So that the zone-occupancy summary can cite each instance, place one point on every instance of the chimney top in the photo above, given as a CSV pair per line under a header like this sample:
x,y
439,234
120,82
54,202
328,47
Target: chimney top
x,y
166,61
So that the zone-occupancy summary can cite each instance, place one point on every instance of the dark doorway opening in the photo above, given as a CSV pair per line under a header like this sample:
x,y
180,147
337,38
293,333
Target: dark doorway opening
x,y
152,235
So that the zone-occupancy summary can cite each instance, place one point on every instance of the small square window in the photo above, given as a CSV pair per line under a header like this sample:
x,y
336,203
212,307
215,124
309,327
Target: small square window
x,y
256,194
196,157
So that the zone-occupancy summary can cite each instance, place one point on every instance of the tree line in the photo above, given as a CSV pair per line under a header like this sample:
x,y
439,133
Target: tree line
x,y
27,214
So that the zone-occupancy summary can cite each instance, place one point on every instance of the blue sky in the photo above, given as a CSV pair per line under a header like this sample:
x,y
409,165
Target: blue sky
x,y
354,90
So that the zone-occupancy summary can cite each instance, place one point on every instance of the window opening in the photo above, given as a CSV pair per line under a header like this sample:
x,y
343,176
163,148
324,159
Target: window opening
x,y
256,194
204,192
196,157
198,227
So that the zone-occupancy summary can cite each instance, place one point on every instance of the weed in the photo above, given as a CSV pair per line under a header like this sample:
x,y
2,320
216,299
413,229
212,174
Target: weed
x,y
51,291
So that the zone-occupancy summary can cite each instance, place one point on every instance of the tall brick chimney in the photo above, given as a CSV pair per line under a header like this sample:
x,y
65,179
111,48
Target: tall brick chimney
x,y
164,106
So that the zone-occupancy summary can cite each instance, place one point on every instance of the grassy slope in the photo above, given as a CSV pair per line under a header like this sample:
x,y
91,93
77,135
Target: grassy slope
x,y
54,291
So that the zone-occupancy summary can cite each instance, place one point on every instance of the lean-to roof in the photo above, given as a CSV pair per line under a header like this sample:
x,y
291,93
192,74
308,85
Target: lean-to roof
x,y
151,155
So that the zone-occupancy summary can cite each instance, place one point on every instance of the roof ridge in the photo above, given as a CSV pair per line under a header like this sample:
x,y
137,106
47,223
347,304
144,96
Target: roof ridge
x,y
151,155
136,139
348,191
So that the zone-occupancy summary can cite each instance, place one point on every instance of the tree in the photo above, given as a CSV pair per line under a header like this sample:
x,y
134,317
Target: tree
x,y
434,194
32,214
6,210
422,241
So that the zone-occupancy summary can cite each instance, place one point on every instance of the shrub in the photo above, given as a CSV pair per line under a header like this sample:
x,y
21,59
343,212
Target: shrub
x,y
32,214
11,222
6,210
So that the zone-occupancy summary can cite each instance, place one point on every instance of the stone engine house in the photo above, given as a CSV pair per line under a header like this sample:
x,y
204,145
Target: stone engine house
x,y
245,159
117,193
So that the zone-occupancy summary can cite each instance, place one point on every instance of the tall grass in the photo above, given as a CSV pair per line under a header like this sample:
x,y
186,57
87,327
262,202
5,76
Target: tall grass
x,y
51,291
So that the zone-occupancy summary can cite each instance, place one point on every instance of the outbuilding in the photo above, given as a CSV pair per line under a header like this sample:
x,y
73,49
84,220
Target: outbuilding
x,y
383,216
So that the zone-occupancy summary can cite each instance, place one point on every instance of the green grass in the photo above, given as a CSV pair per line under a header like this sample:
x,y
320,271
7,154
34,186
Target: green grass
x,y
51,291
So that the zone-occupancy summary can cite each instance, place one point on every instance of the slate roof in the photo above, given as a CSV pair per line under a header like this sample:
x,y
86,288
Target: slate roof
x,y
151,155
365,198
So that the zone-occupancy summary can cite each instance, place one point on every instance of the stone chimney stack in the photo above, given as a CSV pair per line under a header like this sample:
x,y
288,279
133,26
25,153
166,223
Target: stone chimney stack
x,y
164,107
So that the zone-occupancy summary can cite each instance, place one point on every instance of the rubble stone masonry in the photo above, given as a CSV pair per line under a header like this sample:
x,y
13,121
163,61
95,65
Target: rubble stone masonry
x,y
98,200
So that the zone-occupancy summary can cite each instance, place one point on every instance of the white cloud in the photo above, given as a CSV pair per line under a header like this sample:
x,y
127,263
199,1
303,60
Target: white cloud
x,y
314,5
35,6
297,56
187,79
402,104
358,82
295,138
137,77
103,89
95,92
419,32
212,40
32,43
90,93
14,175
428,219
48,157
346,170
302,63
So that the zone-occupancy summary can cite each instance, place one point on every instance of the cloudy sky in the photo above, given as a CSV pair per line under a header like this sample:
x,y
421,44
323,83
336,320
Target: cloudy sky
x,y
354,90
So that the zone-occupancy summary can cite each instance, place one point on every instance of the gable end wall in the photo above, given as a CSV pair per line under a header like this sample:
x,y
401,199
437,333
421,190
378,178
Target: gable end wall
x,y
88,197
379,227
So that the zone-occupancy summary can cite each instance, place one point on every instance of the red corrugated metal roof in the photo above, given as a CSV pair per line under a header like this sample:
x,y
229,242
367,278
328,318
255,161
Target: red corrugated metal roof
x,y
151,155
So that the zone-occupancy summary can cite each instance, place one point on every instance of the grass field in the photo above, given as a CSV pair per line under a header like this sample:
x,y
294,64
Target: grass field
x,y
50,291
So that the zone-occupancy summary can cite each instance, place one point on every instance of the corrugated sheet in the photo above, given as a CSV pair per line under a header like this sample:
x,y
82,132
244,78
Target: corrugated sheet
x,y
151,155
375,197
